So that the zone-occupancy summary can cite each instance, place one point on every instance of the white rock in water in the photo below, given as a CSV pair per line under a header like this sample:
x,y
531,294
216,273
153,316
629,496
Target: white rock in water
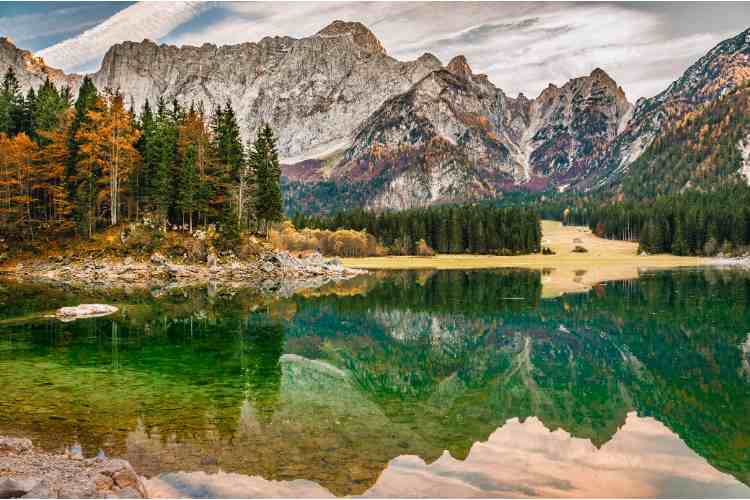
x,y
84,311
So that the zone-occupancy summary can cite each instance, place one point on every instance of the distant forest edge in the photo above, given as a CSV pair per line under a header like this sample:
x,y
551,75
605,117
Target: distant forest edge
x,y
476,229
692,223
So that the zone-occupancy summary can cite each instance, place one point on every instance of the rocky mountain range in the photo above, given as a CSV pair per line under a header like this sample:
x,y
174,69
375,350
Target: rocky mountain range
x,y
357,126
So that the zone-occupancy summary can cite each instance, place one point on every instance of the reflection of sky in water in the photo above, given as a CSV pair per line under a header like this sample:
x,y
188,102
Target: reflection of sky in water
x,y
643,459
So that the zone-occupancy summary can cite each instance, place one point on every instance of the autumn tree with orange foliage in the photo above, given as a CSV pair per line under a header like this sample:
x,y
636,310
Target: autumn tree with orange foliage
x,y
16,181
107,151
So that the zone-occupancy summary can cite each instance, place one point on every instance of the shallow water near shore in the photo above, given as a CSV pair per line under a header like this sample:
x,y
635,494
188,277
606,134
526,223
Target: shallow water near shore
x,y
412,383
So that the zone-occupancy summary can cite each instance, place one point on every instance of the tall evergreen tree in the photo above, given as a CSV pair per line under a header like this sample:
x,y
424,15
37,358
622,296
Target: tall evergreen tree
x,y
87,96
227,158
264,163
11,103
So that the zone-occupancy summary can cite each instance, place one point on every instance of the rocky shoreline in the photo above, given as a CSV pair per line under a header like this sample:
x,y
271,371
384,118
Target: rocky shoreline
x,y
27,472
276,272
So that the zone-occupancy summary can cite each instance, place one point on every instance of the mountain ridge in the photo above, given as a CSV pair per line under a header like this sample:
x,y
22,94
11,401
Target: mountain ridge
x,y
408,133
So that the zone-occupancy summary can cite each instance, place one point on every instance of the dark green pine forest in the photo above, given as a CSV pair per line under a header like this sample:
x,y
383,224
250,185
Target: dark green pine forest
x,y
478,229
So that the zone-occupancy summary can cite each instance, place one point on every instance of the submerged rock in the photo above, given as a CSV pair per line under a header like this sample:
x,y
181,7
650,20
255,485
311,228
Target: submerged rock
x,y
85,311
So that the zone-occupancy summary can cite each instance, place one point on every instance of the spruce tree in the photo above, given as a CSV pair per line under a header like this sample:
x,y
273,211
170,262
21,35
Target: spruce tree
x,y
87,96
264,162
47,109
228,156
11,103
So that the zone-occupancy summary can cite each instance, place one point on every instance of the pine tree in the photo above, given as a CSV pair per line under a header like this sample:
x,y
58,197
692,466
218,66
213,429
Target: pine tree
x,y
193,133
87,96
47,109
25,115
160,191
679,243
228,158
50,176
11,103
229,229
264,162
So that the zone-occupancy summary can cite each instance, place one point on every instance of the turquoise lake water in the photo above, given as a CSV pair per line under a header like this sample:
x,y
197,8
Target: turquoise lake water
x,y
430,383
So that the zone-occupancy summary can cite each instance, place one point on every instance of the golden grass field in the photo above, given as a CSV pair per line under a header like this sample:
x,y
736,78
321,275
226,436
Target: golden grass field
x,y
564,272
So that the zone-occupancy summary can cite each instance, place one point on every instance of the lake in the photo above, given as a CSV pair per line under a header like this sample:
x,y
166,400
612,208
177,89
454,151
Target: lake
x,y
419,383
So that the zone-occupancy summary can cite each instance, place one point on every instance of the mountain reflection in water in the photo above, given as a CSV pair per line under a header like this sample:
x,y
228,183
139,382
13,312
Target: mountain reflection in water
x,y
399,384
643,459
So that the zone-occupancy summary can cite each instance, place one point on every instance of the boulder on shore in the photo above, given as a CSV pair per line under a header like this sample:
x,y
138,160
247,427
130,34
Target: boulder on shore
x,y
28,472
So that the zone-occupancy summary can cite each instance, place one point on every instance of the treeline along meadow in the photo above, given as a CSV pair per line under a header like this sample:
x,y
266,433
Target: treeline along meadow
x,y
691,223
479,229
70,168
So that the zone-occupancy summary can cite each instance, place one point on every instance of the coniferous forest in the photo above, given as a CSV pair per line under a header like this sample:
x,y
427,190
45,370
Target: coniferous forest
x,y
72,168
478,229
691,223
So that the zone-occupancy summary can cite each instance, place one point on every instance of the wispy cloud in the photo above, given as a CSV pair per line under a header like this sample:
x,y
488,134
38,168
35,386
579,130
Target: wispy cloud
x,y
143,20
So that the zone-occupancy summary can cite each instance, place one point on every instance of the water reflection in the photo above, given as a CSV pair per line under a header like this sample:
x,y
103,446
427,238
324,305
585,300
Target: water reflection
x,y
637,386
520,459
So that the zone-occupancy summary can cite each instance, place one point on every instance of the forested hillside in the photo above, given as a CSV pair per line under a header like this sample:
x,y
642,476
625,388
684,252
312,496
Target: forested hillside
x,y
702,150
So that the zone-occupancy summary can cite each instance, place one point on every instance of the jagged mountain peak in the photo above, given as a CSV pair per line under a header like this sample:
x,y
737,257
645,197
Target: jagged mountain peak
x,y
723,68
430,58
460,66
31,70
599,73
360,33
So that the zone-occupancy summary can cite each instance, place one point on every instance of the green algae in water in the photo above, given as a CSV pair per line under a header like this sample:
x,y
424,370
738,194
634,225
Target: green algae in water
x,y
333,385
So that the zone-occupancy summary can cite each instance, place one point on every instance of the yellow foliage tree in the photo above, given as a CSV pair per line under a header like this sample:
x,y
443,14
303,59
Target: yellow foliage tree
x,y
108,147
16,170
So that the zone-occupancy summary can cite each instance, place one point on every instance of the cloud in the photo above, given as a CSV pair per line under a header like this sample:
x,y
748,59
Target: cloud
x,y
139,21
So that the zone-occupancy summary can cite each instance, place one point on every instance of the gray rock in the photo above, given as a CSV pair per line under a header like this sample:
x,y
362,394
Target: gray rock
x,y
128,493
267,267
41,490
103,482
15,445
77,491
157,258
14,488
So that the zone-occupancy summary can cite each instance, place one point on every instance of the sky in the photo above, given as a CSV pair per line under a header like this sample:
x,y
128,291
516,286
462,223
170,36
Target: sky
x,y
521,46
